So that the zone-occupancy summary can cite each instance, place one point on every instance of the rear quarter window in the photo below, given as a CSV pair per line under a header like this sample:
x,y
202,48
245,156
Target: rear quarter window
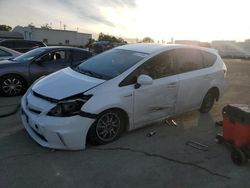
x,y
208,59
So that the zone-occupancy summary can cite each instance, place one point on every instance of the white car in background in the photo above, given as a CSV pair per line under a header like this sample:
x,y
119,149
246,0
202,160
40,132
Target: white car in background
x,y
121,89
6,53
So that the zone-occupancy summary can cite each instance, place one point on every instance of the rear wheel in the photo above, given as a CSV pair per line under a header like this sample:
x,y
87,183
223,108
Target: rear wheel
x,y
207,102
12,85
238,157
107,128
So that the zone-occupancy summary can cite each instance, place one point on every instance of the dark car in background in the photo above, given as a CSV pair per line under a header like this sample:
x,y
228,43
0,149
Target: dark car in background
x,y
18,73
6,53
101,46
21,45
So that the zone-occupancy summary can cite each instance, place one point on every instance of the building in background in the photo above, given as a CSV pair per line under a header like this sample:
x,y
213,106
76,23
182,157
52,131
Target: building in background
x,y
10,35
53,37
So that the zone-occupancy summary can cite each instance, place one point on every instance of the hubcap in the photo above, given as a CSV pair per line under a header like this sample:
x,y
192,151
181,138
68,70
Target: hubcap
x,y
108,126
12,86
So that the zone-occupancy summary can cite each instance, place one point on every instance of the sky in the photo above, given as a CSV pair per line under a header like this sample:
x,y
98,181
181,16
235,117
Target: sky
x,y
203,20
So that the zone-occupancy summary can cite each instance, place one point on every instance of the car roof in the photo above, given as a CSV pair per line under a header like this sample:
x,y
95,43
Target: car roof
x,y
22,40
10,50
62,47
150,48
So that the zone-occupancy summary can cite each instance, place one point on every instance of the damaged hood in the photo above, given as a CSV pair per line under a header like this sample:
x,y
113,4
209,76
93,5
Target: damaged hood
x,y
65,83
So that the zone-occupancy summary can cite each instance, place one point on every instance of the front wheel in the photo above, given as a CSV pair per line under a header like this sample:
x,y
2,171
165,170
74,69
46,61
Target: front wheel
x,y
12,85
107,128
207,103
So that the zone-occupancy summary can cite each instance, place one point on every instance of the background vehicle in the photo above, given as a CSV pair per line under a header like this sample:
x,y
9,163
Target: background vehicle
x,y
18,73
101,46
21,45
121,89
6,53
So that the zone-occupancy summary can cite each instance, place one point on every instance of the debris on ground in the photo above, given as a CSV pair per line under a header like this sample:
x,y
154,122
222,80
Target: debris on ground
x,y
151,133
197,145
170,122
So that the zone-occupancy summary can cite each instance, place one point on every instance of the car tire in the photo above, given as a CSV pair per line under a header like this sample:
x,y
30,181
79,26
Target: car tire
x,y
107,128
12,85
238,157
207,102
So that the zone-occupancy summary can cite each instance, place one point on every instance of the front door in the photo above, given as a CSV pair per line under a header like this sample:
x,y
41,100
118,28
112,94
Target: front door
x,y
48,63
158,100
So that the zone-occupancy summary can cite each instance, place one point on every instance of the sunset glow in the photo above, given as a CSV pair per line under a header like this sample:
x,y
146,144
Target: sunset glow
x,y
159,19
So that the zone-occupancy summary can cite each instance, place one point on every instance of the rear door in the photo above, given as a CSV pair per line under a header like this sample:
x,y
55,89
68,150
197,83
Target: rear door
x,y
77,56
49,63
194,80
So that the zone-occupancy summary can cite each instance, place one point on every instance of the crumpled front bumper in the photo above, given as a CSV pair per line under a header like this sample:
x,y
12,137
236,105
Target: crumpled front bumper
x,y
53,132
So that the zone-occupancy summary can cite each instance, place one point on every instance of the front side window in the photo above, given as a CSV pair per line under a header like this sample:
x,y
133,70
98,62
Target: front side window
x,y
157,67
53,56
110,64
188,60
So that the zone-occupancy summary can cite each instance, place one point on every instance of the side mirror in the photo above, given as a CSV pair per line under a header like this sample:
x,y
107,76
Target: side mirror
x,y
143,80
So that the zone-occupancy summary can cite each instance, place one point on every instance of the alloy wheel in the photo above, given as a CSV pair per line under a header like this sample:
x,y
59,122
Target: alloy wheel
x,y
108,127
12,86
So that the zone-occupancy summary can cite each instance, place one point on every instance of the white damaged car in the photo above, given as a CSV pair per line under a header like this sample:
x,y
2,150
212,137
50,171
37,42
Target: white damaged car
x,y
121,89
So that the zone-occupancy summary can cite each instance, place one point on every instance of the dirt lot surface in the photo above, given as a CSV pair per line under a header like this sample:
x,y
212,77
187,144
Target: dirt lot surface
x,y
135,160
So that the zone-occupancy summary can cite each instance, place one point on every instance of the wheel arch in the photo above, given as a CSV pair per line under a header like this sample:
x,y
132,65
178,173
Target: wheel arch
x,y
15,74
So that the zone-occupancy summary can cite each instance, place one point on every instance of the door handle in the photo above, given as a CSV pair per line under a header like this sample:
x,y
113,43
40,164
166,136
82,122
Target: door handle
x,y
206,76
173,84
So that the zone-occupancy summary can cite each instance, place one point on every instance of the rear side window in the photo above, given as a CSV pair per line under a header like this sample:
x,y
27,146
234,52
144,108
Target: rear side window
x,y
188,60
79,55
4,53
208,59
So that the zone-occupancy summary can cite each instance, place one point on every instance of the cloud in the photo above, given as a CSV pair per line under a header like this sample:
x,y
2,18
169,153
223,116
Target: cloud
x,y
91,10
86,11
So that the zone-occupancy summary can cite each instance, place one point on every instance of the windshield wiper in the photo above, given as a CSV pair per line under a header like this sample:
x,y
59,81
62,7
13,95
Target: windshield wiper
x,y
89,73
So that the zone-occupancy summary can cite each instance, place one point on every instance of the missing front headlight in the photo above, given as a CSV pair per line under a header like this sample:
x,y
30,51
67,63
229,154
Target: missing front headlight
x,y
68,108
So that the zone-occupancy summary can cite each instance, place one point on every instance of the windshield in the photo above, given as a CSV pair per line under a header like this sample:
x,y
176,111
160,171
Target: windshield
x,y
29,55
110,64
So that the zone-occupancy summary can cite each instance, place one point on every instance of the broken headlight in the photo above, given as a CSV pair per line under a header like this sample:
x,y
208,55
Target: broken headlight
x,y
68,108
